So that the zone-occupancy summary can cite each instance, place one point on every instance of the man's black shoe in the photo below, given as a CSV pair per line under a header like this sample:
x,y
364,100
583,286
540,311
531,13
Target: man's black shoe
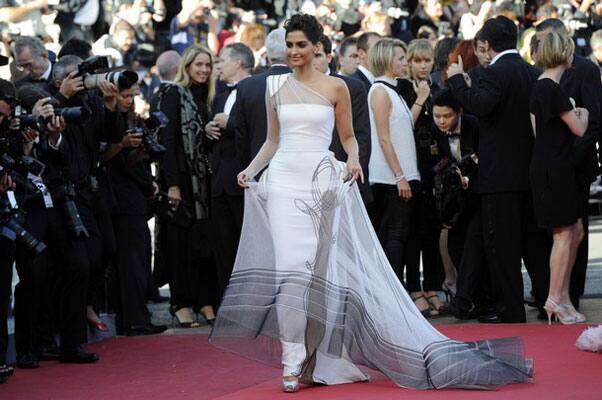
x,y
148,329
6,372
78,356
489,319
48,353
28,361
451,309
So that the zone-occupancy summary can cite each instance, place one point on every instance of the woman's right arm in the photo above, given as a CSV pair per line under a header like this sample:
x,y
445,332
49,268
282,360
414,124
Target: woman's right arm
x,y
267,150
381,109
576,120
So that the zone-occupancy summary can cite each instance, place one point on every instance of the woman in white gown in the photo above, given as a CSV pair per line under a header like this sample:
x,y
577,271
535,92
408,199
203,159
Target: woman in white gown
x,y
311,286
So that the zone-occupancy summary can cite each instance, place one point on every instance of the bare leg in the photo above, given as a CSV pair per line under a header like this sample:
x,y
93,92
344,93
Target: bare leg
x,y
560,259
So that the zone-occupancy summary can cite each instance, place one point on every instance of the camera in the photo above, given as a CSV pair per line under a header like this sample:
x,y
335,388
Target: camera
x,y
96,69
11,220
65,195
72,115
450,173
148,129
19,170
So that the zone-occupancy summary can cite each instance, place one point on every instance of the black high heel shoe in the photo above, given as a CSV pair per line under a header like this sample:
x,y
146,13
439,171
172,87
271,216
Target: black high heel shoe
x,y
6,372
448,291
183,316
204,315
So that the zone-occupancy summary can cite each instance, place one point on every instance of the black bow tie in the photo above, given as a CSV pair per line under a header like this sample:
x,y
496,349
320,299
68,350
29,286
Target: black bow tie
x,y
231,87
452,135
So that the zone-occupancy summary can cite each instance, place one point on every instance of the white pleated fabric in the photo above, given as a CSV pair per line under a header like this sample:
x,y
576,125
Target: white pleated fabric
x,y
312,289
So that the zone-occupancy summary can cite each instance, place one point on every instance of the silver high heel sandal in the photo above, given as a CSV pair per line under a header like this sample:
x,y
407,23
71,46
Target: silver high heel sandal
x,y
290,384
579,317
560,312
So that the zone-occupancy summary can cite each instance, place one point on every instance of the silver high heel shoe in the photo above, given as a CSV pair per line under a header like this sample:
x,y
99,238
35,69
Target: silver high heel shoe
x,y
560,312
290,384
579,317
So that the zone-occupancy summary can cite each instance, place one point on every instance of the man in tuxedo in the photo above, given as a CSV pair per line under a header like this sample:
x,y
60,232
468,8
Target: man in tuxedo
x,y
581,82
359,111
234,64
364,43
457,136
32,57
248,118
501,102
349,59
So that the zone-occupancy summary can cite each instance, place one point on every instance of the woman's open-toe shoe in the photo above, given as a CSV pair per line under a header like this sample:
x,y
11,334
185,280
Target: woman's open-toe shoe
x,y
183,316
423,305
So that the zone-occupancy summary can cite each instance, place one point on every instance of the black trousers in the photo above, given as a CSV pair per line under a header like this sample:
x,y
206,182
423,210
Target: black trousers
x,y
65,292
133,268
424,242
473,286
7,258
578,275
510,234
397,225
187,253
226,223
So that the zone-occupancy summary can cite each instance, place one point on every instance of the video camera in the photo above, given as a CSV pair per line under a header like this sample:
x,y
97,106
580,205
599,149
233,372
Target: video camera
x,y
450,173
11,220
96,69
148,129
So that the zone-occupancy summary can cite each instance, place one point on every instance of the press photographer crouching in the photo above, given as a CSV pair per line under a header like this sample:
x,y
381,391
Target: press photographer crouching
x,y
458,205
132,183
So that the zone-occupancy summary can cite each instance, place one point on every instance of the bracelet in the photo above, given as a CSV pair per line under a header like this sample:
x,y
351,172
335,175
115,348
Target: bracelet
x,y
399,178
418,104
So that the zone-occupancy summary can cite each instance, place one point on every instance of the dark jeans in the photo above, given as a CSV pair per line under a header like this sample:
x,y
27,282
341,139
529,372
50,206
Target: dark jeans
x,y
397,225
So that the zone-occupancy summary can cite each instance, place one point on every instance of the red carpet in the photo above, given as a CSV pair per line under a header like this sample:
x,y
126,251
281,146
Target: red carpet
x,y
187,367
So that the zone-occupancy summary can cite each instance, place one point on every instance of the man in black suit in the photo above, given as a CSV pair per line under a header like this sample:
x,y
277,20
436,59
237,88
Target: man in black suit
x,y
248,118
582,83
32,57
359,111
233,66
501,102
364,43
457,136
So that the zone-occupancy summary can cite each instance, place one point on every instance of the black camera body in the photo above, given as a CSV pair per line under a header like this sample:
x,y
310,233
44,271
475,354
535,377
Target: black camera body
x,y
450,172
19,169
11,221
148,129
65,195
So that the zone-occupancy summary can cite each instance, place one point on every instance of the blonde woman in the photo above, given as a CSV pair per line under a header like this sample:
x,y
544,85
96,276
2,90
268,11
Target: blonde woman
x,y
556,122
393,164
183,241
254,36
416,91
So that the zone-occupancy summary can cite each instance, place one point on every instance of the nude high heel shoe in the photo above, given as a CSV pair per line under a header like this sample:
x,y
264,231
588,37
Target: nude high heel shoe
x,y
290,384
560,312
579,317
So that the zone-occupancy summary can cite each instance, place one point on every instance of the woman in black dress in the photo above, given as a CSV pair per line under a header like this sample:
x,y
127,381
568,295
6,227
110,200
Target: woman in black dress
x,y
184,172
556,122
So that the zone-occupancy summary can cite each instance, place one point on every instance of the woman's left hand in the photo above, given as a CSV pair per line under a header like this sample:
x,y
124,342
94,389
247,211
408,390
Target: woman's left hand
x,y
353,170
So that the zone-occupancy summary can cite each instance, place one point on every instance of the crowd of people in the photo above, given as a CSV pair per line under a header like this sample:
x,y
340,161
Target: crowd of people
x,y
477,123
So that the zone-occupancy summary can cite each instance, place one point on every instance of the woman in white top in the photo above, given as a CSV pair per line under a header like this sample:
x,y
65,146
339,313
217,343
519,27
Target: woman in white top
x,y
393,166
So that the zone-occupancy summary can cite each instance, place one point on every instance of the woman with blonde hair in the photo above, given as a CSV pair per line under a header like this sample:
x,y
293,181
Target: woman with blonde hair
x,y
254,36
416,91
556,122
183,240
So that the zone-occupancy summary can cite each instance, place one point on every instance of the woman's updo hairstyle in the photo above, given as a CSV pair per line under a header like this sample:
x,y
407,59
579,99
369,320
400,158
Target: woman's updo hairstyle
x,y
308,24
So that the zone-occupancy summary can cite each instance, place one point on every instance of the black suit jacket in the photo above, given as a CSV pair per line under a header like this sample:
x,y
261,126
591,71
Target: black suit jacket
x,y
224,163
27,79
469,141
359,75
248,118
501,102
582,83
361,128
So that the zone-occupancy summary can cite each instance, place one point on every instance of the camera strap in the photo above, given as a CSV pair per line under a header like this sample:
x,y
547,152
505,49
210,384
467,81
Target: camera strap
x,y
10,195
36,180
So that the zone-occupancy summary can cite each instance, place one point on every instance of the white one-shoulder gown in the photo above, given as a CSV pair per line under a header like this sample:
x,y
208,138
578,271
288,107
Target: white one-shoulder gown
x,y
312,288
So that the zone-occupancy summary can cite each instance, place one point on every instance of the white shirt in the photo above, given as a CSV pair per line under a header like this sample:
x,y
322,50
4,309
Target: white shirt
x,y
401,131
46,76
367,73
503,53
231,98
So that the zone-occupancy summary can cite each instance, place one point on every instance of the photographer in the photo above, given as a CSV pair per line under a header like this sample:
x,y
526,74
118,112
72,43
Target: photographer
x,y
195,24
130,177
